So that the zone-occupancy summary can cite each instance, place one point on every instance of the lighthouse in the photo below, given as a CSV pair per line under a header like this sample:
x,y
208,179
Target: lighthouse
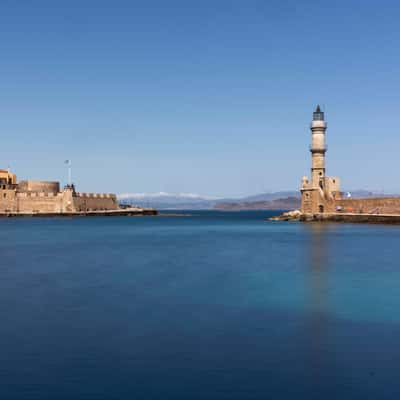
x,y
318,148
319,193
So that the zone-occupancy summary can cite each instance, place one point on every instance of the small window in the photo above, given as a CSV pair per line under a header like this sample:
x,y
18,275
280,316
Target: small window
x,y
5,195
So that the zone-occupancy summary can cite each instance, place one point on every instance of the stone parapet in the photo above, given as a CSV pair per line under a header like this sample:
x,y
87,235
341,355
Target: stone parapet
x,y
39,186
373,205
96,195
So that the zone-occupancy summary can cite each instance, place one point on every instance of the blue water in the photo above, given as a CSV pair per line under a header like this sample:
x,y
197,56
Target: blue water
x,y
209,306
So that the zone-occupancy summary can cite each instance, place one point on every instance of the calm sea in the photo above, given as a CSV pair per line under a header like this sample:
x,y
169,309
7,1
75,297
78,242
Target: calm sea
x,y
209,306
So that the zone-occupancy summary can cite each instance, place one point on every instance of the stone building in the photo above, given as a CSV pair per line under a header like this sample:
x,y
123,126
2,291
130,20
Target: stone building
x,y
321,194
46,197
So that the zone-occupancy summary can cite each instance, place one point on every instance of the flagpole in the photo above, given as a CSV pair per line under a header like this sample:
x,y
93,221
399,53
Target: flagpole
x,y
69,173
68,162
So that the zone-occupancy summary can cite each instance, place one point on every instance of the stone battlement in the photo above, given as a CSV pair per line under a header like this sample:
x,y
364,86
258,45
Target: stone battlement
x,y
23,195
39,186
96,195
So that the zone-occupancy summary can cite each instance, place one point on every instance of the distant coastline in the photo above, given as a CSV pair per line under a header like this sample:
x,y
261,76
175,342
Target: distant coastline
x,y
287,203
282,200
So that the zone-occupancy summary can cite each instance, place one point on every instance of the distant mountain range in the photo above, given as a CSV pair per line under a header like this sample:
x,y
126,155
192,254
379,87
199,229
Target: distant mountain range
x,y
285,203
169,201
289,199
190,201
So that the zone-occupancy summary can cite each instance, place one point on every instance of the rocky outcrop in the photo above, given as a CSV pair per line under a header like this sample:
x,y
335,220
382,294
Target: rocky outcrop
x,y
294,215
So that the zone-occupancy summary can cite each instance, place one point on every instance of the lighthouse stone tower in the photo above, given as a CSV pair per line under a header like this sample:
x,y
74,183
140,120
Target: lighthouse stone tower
x,y
318,148
319,194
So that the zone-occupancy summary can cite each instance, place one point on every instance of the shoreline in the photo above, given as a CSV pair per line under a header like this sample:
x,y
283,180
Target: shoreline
x,y
392,219
131,212
354,218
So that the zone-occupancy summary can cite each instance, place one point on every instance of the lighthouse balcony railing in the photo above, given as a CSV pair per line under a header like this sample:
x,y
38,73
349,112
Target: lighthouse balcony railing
x,y
321,149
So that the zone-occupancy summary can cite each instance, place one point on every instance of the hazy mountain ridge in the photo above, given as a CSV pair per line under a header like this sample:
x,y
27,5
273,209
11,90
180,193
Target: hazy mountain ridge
x,y
287,203
163,200
185,201
182,201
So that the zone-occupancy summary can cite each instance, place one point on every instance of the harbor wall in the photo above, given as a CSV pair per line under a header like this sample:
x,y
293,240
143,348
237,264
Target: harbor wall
x,y
376,205
39,202
7,200
95,202
351,218
50,202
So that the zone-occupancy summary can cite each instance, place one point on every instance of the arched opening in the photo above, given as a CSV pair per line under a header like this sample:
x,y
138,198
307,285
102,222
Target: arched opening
x,y
321,208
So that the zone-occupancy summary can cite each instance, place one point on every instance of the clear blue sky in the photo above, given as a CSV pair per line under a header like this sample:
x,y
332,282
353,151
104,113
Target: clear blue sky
x,y
211,97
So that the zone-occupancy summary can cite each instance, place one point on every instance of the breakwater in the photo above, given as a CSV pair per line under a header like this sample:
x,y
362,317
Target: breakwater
x,y
352,218
128,212
356,218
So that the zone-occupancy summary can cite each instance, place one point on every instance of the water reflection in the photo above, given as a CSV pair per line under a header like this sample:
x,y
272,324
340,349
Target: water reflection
x,y
318,267
318,307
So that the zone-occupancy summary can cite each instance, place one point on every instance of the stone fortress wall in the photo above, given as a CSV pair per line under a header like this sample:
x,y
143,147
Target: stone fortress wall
x,y
39,186
46,197
377,205
95,202
372,205
38,202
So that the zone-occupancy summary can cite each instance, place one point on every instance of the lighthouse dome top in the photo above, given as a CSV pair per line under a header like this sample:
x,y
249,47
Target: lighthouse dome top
x,y
318,115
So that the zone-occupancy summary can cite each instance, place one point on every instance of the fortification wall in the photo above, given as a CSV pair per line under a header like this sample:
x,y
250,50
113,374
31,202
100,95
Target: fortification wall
x,y
61,202
39,202
7,200
39,186
95,202
311,202
376,205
